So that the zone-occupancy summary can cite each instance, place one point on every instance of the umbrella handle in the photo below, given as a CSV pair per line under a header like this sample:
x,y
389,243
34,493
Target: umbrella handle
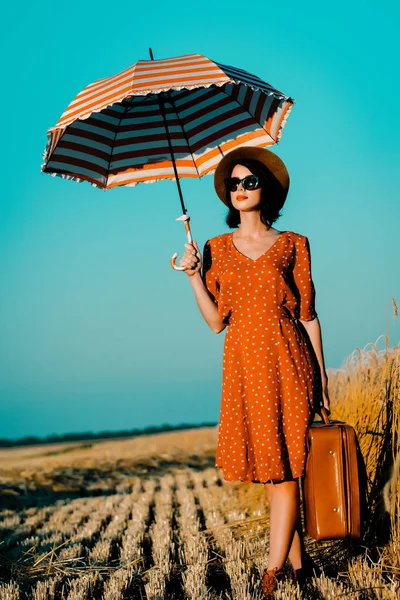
x,y
185,219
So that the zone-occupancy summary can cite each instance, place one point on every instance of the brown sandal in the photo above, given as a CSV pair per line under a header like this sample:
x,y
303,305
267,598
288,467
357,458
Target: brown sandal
x,y
269,581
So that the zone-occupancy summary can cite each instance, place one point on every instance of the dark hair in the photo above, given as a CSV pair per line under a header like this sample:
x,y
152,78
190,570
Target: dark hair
x,y
272,195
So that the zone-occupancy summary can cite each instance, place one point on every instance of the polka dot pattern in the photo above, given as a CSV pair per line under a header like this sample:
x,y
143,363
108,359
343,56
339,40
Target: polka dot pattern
x,y
270,375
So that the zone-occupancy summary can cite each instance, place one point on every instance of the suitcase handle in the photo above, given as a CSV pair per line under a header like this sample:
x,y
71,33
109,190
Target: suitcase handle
x,y
324,415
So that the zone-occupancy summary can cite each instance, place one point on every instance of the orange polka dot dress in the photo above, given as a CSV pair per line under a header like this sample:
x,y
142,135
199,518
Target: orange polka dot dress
x,y
271,383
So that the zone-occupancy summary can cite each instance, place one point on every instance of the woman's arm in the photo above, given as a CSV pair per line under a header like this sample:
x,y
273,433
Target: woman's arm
x,y
305,310
207,299
207,306
313,329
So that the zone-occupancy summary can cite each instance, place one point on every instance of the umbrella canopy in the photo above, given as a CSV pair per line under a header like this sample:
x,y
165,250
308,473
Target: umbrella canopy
x,y
114,132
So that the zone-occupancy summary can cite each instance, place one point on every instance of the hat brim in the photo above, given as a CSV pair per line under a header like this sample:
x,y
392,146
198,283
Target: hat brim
x,y
273,163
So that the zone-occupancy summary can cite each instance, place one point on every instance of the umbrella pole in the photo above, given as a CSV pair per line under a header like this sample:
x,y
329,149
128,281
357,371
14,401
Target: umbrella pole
x,y
162,110
185,218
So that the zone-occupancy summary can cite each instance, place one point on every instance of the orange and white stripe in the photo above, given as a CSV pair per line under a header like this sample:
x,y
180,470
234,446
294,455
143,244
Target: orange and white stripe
x,y
113,132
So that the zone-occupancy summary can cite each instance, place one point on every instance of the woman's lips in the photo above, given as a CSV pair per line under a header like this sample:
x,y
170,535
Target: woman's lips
x,y
241,197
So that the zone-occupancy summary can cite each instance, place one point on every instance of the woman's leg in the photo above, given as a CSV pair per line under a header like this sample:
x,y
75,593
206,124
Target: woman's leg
x,y
285,524
297,549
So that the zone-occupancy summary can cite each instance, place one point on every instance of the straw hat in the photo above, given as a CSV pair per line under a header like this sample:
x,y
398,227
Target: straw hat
x,y
273,163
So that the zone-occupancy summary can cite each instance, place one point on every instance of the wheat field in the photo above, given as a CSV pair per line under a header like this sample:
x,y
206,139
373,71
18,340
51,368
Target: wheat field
x,y
151,518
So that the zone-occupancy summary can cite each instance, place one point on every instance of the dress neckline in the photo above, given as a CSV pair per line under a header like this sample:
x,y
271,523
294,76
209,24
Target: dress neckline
x,y
261,255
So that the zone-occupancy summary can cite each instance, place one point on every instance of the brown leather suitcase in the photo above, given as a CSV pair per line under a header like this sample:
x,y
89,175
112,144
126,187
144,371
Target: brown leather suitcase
x,y
334,483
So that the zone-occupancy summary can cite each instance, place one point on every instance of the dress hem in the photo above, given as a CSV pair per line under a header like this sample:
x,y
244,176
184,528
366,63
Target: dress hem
x,y
250,480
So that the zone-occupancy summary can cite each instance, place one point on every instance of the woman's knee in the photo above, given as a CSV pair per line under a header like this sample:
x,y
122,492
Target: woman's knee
x,y
281,488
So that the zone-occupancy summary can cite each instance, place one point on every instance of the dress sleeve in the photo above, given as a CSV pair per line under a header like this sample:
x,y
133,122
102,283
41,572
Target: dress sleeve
x,y
303,280
210,273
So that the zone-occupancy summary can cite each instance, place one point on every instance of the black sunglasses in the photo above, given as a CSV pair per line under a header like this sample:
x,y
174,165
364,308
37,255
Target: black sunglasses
x,y
250,182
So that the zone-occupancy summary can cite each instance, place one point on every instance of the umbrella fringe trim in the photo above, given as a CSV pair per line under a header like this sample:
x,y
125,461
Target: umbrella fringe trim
x,y
283,123
45,156
77,179
132,184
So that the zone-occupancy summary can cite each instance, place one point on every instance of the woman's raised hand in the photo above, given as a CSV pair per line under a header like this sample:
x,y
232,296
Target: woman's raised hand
x,y
191,262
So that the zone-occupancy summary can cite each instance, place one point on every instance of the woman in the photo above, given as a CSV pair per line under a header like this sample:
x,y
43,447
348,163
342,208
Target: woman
x,y
258,281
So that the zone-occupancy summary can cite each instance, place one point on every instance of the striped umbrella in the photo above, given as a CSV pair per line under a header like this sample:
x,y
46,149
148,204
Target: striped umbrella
x,y
163,119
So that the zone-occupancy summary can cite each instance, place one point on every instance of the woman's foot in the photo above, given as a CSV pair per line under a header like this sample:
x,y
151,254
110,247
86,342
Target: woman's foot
x,y
269,581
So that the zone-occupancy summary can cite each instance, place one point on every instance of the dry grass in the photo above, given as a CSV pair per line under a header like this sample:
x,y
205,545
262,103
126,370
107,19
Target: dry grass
x,y
151,517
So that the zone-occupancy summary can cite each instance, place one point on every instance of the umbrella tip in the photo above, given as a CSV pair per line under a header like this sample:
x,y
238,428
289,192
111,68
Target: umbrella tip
x,y
151,54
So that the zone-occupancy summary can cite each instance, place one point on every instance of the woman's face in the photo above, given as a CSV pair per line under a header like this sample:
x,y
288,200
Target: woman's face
x,y
244,199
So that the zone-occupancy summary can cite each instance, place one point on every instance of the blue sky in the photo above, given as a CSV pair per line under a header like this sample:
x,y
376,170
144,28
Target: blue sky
x,y
97,332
